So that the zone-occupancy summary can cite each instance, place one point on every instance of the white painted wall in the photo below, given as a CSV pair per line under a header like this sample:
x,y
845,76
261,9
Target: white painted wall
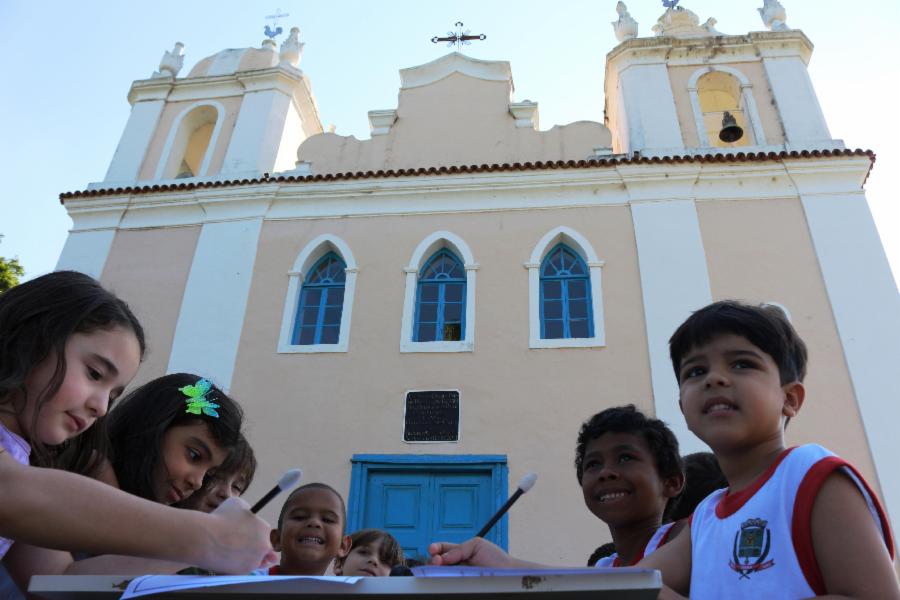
x,y
215,300
796,100
226,62
292,136
866,307
674,283
649,108
257,133
129,155
86,251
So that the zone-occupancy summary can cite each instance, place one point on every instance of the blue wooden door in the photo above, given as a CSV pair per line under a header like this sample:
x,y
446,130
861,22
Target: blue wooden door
x,y
399,502
419,507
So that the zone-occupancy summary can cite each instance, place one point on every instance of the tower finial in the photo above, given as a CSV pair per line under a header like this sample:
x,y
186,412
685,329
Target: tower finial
x,y
171,62
292,48
626,27
773,15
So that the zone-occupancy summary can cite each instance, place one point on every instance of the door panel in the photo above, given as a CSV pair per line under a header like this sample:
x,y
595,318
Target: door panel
x,y
399,502
420,506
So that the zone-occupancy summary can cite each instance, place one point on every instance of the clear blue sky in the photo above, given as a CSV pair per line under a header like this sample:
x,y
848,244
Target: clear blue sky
x,y
69,66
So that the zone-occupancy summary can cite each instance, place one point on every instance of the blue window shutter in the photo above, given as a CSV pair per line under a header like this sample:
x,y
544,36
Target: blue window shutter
x,y
565,295
321,304
440,299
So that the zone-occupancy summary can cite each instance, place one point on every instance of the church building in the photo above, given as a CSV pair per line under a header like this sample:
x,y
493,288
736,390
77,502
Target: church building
x,y
422,317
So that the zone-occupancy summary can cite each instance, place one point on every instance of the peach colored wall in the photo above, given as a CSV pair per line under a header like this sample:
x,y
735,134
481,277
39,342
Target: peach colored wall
x,y
316,410
784,269
680,76
149,269
200,69
166,120
457,120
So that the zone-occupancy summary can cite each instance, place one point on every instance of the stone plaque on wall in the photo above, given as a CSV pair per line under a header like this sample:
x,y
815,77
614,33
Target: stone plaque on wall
x,y
431,416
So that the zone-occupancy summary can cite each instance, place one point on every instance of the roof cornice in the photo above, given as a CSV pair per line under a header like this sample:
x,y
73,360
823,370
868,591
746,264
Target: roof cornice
x,y
596,163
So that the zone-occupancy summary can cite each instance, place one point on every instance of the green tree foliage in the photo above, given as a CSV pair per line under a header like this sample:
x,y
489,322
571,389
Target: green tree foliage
x,y
10,272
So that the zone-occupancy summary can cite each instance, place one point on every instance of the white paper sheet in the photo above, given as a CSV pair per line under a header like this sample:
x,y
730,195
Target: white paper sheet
x,y
157,584
461,571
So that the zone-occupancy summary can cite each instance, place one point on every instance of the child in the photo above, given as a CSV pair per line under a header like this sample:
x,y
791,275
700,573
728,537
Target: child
x,y
373,553
310,532
603,551
629,468
164,436
67,349
702,476
794,522
231,478
167,434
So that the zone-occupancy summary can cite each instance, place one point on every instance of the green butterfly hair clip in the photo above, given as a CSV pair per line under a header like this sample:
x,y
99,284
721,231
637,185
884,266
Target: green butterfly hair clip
x,y
197,401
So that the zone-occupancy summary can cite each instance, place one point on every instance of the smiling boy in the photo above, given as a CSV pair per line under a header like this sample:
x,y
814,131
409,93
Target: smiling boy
x,y
794,522
310,532
629,468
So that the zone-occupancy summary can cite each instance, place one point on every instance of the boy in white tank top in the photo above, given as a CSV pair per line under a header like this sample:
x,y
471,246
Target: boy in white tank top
x,y
794,522
629,469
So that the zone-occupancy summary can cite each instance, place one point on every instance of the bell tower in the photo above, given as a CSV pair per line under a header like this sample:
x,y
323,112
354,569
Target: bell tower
x,y
238,113
676,92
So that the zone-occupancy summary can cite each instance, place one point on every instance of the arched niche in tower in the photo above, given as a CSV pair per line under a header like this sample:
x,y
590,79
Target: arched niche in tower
x,y
191,141
715,90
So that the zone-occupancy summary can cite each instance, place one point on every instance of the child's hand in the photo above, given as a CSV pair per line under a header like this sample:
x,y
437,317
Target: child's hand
x,y
240,540
476,552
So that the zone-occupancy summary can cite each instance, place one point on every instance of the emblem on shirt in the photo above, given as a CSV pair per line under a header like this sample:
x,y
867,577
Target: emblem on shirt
x,y
751,548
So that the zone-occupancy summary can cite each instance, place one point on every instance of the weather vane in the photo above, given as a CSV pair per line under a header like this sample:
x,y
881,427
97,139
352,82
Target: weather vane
x,y
459,37
271,33
670,3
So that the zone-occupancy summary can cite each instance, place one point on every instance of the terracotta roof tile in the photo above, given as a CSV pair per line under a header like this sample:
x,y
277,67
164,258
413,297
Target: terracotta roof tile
x,y
483,168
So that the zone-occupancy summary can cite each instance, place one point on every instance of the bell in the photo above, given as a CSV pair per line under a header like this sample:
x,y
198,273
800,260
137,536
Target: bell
x,y
731,132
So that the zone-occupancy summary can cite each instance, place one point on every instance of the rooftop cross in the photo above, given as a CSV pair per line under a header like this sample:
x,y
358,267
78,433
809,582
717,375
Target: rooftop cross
x,y
269,31
459,37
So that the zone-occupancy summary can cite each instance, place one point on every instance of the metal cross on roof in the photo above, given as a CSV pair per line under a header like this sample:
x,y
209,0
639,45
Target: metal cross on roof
x,y
271,32
459,37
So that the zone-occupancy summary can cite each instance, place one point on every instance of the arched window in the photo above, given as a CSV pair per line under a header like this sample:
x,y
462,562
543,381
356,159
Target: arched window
x,y
323,274
439,296
565,292
195,151
321,302
565,296
716,89
719,92
189,147
441,299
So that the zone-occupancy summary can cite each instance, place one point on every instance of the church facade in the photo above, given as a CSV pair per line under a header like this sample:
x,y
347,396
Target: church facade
x,y
422,317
